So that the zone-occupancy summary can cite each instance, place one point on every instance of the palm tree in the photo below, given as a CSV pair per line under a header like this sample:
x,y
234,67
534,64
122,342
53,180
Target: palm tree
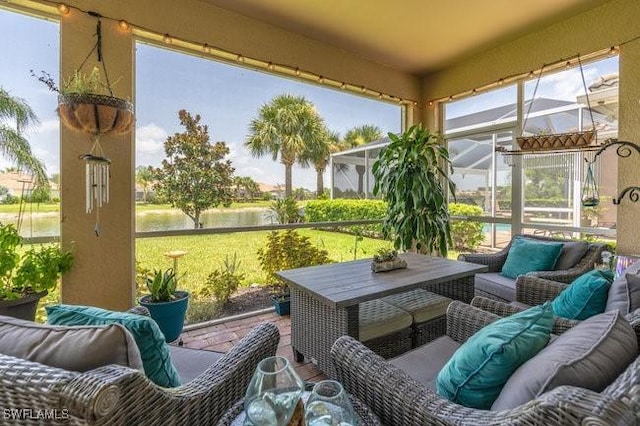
x,y
12,144
285,128
320,157
361,135
144,178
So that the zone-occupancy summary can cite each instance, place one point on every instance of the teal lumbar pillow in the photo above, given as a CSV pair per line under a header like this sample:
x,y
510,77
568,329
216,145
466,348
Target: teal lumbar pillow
x,y
528,255
585,297
154,351
477,371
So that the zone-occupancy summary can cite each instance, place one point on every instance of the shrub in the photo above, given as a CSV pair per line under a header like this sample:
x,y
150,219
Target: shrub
x,y
338,210
288,250
223,282
466,234
286,210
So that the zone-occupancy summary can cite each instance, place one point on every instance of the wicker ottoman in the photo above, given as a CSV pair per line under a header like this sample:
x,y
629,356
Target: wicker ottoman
x,y
428,311
385,329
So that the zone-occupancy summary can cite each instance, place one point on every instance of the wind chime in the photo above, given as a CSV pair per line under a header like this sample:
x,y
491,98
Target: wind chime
x,y
96,114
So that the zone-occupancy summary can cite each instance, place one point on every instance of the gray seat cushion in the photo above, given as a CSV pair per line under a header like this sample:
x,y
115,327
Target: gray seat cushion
x,y
378,318
73,348
423,305
624,293
190,363
425,362
496,284
572,253
590,355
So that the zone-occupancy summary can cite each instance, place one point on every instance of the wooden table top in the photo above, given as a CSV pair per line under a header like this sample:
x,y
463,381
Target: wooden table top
x,y
351,283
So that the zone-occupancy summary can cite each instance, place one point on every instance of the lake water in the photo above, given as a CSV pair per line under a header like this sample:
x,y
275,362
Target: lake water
x,y
48,224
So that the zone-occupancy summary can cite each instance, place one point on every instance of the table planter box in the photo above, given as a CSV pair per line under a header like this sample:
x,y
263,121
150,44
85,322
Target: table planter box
x,y
282,304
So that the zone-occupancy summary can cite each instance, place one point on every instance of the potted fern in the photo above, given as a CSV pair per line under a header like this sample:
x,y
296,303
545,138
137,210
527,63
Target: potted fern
x,y
166,305
27,275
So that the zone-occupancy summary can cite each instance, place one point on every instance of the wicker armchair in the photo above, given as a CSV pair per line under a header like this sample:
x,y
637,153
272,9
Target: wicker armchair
x,y
400,400
495,262
115,395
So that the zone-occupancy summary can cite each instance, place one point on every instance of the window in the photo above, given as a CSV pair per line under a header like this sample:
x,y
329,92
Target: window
x,y
26,44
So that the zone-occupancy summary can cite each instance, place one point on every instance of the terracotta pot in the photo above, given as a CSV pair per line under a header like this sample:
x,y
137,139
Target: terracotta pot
x,y
557,141
95,114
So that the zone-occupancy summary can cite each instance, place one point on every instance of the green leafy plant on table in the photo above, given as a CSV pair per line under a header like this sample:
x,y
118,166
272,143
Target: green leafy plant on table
x,y
410,176
28,274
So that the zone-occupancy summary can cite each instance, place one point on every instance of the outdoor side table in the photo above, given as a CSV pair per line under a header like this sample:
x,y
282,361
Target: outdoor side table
x,y
235,415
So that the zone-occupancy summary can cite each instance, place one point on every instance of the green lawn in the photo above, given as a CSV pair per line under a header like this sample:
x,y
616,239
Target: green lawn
x,y
207,252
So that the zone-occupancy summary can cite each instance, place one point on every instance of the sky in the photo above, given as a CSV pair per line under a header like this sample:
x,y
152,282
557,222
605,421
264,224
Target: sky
x,y
227,97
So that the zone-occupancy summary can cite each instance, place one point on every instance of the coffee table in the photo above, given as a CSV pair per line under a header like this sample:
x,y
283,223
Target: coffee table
x,y
325,299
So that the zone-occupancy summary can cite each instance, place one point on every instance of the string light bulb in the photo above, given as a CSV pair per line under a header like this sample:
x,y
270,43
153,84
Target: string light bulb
x,y
567,65
343,86
206,48
320,79
501,82
380,95
124,25
167,39
613,51
531,74
430,103
415,103
240,58
363,89
271,66
450,98
297,72
474,92
63,9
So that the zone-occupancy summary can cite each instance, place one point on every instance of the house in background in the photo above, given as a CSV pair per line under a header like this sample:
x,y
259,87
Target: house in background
x,y
19,185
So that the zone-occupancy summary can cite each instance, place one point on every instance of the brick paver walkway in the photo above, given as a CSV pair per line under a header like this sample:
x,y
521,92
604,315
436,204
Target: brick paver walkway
x,y
222,337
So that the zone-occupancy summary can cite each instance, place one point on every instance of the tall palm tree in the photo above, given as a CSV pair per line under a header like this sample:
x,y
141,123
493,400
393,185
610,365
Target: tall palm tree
x,y
144,178
361,135
286,128
13,145
320,157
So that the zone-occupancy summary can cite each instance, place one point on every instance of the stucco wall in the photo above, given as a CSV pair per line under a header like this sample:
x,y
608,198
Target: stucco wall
x,y
614,23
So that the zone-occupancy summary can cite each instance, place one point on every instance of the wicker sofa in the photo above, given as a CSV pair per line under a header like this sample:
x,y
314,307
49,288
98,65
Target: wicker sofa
x,y
399,399
492,285
116,395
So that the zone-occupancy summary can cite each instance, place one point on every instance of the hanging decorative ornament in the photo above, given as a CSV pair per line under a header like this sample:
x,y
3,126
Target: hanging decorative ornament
x,y
97,176
590,197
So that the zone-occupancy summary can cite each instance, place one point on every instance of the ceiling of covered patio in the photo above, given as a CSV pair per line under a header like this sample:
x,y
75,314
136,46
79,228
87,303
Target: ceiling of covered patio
x,y
414,36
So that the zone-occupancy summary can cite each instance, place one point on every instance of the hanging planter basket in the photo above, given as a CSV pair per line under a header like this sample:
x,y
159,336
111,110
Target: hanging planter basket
x,y
557,141
95,114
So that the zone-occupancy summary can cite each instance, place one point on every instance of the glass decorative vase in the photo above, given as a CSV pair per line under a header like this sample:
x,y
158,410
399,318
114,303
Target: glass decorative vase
x,y
273,393
329,405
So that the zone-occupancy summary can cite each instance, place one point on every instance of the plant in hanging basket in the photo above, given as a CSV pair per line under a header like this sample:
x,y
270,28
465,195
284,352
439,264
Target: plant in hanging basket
x,y
84,104
545,142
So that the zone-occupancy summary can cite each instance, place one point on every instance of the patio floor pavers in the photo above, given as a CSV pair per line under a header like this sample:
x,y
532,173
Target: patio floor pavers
x,y
222,337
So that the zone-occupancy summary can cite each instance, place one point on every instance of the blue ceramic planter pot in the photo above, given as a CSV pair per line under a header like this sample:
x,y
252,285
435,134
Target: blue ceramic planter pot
x,y
168,315
282,305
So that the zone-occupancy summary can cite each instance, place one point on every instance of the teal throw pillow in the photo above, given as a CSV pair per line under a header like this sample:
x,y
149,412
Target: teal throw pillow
x,y
153,349
585,297
477,371
527,255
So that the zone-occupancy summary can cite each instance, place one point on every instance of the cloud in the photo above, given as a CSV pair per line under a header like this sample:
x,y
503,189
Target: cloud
x,y
149,144
566,85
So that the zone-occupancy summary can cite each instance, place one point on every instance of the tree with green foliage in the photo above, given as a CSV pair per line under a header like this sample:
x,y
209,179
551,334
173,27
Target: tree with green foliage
x,y
195,175
319,154
15,116
286,128
144,178
358,136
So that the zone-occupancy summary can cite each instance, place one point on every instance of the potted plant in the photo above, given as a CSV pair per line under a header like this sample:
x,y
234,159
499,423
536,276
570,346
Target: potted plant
x,y
387,260
87,105
410,176
166,305
27,275
287,250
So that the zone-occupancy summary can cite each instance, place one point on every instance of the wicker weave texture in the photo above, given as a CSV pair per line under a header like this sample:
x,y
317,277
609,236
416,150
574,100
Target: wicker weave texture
x,y
115,395
399,400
